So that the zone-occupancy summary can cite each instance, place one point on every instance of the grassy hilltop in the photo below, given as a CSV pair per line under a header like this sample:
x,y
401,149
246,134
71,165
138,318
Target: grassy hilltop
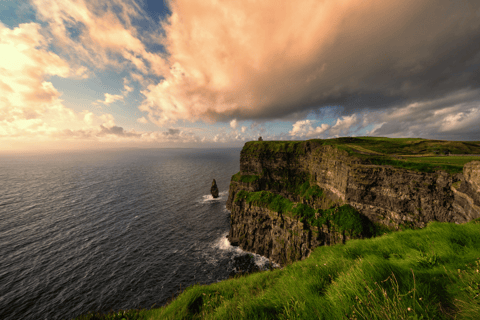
x,y
410,153
429,273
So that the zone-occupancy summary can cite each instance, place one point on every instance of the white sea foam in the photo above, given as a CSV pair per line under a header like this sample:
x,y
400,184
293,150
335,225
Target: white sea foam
x,y
261,261
223,244
221,196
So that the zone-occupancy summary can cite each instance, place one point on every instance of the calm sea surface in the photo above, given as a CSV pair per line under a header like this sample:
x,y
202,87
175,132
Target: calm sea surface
x,y
96,231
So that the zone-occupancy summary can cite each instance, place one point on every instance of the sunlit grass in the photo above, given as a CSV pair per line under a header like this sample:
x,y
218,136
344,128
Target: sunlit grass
x,y
432,273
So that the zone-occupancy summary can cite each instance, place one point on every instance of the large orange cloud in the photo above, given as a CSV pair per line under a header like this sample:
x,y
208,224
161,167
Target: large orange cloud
x,y
273,59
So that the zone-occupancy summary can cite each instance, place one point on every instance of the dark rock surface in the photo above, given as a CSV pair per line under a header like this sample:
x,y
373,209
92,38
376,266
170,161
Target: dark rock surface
x,y
214,189
245,264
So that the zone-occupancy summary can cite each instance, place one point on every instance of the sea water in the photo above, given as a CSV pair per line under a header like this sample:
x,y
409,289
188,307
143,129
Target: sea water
x,y
109,230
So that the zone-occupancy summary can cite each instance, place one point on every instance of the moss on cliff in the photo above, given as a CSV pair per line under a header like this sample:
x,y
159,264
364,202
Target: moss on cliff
x,y
344,218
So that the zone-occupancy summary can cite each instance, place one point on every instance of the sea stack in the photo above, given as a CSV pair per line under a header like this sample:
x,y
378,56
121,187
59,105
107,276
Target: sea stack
x,y
214,189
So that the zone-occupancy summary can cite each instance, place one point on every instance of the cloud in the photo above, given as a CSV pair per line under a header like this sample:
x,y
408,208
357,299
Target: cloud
x,y
305,129
100,34
142,120
234,124
345,125
454,117
126,88
228,61
111,98
30,106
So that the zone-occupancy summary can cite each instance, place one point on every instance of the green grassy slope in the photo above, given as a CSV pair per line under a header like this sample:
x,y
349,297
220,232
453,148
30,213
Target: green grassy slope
x,y
432,273
409,146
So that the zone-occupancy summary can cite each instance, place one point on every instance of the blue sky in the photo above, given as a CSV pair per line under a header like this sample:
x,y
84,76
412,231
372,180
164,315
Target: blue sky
x,y
81,74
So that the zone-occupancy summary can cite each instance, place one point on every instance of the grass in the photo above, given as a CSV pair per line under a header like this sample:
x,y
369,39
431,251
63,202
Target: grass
x,y
415,164
253,147
407,146
431,273
457,161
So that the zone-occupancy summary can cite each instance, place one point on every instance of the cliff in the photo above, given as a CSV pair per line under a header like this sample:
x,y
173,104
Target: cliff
x,y
290,197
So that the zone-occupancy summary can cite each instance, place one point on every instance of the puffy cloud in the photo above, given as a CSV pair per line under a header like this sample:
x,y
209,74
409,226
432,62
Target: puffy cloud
x,y
304,128
248,60
345,125
234,124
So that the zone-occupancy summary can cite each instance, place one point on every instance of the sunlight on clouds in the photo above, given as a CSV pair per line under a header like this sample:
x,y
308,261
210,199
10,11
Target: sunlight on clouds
x,y
305,129
275,59
387,64
31,105
105,30
32,115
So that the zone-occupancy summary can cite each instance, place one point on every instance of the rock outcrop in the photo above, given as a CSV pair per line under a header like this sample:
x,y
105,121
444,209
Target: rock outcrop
x,y
381,195
214,189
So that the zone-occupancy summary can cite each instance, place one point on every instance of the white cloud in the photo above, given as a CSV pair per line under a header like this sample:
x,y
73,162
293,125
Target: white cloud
x,y
345,125
305,129
111,98
234,123
142,120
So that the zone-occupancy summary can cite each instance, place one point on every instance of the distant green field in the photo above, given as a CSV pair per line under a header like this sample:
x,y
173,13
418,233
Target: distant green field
x,y
408,146
398,152
449,164
459,161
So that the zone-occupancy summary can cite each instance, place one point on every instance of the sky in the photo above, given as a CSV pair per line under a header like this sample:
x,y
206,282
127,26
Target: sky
x,y
81,74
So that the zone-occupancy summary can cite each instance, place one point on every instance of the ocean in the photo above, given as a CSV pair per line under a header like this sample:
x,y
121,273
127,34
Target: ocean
x,y
108,230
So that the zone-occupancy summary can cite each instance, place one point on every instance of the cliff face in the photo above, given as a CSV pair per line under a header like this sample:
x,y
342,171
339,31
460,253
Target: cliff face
x,y
381,194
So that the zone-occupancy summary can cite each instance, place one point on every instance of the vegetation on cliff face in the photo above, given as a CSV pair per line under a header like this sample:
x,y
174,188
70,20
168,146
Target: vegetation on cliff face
x,y
431,273
244,178
345,217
